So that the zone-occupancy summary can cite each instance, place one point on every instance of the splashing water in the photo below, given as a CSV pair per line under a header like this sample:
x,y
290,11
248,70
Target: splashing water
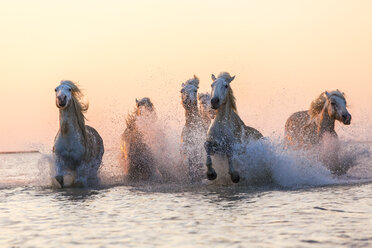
x,y
259,162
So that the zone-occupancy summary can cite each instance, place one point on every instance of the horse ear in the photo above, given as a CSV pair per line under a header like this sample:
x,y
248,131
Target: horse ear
x,y
327,94
183,85
213,77
196,81
343,93
231,79
137,100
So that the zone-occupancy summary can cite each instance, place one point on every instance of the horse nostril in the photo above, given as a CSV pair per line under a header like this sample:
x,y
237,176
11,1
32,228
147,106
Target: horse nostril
x,y
215,101
62,98
346,119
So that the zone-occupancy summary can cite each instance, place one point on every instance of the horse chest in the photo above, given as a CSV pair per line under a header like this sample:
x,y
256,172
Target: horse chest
x,y
221,139
70,148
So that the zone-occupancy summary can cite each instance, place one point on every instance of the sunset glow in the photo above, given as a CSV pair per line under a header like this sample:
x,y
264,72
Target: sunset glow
x,y
283,53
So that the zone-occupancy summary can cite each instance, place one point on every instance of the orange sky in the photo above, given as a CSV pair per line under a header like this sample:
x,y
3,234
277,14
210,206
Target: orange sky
x,y
283,53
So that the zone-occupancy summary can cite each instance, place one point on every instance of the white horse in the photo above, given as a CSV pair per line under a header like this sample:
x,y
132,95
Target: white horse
x,y
316,127
227,129
194,132
78,148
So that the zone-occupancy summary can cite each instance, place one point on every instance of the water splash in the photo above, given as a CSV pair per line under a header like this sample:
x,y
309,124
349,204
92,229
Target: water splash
x,y
259,162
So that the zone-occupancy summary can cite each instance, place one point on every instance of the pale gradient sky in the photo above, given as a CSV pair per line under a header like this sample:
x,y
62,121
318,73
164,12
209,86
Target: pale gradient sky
x,y
283,53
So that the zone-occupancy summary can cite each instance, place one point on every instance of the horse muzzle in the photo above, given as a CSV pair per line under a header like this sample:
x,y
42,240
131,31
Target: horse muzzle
x,y
61,101
346,119
215,103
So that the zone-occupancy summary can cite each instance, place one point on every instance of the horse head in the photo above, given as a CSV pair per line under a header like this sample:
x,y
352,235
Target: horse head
x,y
144,106
336,106
189,92
63,95
220,89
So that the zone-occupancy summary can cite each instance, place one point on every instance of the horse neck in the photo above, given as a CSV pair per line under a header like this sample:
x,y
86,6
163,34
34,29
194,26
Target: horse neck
x,y
225,111
192,114
68,121
324,122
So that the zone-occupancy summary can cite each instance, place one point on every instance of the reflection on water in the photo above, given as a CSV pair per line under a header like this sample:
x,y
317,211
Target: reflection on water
x,y
186,217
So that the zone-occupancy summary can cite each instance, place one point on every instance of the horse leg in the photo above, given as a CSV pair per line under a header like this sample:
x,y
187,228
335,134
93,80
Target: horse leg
x,y
211,173
58,178
233,173
81,176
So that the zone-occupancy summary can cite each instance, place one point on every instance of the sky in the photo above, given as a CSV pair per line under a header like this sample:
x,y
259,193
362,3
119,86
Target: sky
x,y
283,53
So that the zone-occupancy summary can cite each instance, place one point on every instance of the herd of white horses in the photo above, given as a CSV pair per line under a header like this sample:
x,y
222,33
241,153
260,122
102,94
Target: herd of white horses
x,y
212,128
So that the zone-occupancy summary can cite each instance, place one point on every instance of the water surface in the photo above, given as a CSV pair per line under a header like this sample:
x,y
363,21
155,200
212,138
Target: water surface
x,y
32,214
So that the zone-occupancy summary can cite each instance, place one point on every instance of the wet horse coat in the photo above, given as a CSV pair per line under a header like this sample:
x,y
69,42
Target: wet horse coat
x,y
140,162
78,148
227,129
316,127
193,132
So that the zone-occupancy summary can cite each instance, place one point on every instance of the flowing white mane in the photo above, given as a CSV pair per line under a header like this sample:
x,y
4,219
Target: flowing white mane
x,y
79,106
317,104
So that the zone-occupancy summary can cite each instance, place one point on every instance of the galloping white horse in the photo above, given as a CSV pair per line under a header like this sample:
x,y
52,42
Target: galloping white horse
x,y
308,129
227,129
78,148
194,132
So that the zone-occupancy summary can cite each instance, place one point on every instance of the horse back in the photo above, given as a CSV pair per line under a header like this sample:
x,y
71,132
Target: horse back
x,y
299,130
252,133
94,144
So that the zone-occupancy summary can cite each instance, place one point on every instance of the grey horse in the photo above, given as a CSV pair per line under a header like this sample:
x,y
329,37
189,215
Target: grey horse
x,y
227,129
316,127
193,132
78,148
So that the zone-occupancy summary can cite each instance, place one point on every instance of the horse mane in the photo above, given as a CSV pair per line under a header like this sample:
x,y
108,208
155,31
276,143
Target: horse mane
x,y
227,77
79,105
131,120
232,99
317,104
193,81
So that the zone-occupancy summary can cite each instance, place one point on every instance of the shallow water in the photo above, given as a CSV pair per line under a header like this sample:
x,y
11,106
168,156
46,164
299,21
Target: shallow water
x,y
336,213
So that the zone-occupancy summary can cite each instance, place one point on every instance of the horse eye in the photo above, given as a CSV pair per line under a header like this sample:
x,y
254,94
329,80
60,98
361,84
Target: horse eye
x,y
226,86
333,103
69,89
55,89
